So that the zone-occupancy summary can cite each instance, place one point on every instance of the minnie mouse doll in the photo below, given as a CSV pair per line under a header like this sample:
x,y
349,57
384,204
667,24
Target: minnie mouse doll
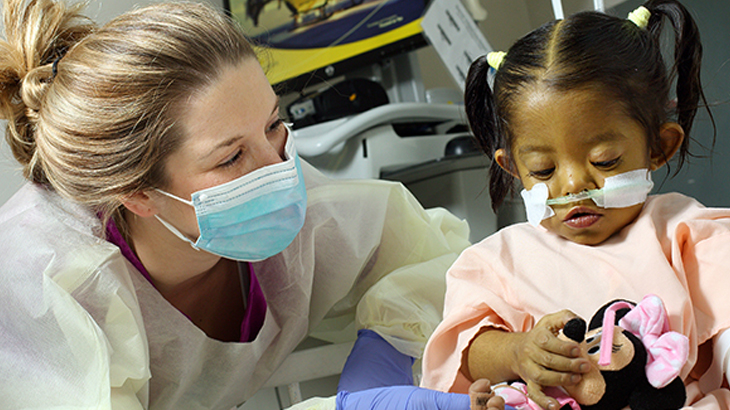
x,y
636,361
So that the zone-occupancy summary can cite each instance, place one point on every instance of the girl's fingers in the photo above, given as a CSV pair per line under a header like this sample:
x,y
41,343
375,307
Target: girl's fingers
x,y
495,403
561,364
536,394
480,394
556,321
547,377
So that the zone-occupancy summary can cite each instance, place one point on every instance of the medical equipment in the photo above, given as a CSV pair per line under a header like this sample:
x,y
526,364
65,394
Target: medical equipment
x,y
558,8
619,191
368,144
314,41
421,145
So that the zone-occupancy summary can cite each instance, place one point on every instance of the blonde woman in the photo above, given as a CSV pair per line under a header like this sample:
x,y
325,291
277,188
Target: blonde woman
x,y
170,248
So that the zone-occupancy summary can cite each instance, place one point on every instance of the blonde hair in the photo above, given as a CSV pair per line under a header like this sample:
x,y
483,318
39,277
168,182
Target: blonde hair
x,y
101,128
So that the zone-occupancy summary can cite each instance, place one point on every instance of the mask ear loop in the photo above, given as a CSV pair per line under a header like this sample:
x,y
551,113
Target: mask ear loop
x,y
171,228
177,233
185,201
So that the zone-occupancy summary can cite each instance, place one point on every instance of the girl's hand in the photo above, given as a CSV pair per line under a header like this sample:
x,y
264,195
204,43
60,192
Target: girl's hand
x,y
541,359
483,398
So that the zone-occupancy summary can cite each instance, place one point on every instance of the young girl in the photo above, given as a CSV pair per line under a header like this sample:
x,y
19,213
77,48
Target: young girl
x,y
580,113
170,249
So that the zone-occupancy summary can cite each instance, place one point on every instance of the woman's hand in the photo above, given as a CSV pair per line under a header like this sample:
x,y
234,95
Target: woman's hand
x,y
541,359
401,398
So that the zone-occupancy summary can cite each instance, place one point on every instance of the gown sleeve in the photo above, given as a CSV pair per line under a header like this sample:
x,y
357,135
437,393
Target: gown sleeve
x,y
71,333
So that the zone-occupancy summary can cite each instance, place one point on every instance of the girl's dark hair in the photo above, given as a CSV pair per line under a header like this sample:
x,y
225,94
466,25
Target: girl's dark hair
x,y
597,51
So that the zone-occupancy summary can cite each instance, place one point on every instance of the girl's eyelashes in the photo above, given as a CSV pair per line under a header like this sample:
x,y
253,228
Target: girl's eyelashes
x,y
547,172
606,164
541,174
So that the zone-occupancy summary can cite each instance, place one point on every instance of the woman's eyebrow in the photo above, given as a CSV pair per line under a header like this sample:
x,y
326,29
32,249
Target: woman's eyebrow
x,y
230,141
223,144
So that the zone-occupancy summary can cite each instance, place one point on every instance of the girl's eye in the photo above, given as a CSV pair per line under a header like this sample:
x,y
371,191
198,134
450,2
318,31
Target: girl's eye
x,y
606,164
542,174
234,159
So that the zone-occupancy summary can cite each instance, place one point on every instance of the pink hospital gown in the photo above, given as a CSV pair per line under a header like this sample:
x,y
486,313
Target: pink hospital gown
x,y
676,249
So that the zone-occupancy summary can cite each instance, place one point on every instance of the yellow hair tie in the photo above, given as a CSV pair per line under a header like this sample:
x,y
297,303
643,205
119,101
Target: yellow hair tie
x,y
640,16
495,59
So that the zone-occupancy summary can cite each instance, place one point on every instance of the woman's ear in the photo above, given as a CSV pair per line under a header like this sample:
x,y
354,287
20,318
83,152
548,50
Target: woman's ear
x,y
140,204
671,136
504,162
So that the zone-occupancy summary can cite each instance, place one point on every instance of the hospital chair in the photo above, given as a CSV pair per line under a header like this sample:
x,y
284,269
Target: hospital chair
x,y
311,370
309,363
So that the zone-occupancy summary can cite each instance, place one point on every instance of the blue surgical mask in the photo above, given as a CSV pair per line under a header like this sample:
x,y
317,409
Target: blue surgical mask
x,y
253,217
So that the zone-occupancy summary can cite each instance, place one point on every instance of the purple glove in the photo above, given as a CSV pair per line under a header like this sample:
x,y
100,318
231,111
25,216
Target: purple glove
x,y
372,363
401,398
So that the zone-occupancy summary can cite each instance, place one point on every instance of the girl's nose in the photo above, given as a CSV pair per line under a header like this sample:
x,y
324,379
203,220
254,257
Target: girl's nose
x,y
577,180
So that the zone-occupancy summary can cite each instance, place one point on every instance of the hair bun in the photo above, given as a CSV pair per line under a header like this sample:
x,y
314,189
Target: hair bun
x,y
35,32
33,89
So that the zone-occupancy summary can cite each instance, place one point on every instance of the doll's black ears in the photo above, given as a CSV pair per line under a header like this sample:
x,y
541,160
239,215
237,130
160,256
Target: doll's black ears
x,y
597,319
575,329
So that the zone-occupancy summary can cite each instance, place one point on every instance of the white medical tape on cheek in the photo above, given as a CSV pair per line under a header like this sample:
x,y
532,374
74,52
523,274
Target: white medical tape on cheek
x,y
619,191
536,204
624,190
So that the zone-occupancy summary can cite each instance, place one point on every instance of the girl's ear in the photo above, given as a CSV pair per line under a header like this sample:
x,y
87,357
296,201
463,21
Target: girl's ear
x,y
141,204
504,162
671,136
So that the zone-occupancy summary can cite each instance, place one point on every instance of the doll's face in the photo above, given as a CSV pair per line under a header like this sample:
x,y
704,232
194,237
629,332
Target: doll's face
x,y
592,386
621,355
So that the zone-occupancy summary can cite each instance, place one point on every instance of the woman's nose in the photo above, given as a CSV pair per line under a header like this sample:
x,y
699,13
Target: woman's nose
x,y
267,154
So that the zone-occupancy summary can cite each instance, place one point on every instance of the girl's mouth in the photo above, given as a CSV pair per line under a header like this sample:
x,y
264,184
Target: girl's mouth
x,y
581,217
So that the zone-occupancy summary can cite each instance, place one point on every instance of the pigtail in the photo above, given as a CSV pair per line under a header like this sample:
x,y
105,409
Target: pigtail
x,y
483,120
686,66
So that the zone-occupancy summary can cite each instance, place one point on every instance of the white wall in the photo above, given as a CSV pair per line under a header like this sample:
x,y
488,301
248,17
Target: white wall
x,y
100,11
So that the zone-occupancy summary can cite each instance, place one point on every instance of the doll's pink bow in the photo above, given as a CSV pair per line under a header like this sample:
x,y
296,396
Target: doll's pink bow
x,y
515,395
667,351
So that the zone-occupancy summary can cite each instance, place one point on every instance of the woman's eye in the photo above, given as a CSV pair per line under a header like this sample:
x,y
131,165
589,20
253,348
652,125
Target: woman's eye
x,y
542,174
606,164
233,160
275,125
